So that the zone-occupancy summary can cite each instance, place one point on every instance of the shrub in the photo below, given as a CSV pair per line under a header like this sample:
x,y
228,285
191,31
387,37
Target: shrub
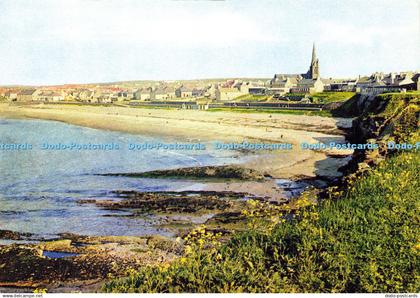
x,y
362,240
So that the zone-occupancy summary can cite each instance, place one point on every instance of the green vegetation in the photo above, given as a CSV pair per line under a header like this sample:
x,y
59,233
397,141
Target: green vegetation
x,y
272,111
363,240
397,102
297,94
352,107
252,97
331,96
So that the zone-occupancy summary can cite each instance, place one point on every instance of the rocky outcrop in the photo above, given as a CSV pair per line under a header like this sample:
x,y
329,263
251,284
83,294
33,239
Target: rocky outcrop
x,y
385,118
11,235
207,172
170,201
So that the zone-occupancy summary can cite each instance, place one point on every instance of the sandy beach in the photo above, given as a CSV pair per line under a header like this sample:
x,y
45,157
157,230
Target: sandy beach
x,y
225,126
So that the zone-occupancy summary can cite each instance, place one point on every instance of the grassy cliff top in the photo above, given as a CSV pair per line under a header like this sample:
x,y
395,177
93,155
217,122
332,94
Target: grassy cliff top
x,y
361,238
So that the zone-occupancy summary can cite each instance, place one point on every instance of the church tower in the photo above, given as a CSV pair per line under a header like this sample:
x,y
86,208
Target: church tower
x,y
313,72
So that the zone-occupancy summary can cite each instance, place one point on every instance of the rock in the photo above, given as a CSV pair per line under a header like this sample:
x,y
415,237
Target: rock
x,y
164,243
208,172
57,245
11,235
170,202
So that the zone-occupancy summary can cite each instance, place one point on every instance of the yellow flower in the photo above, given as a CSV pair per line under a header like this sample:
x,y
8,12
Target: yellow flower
x,y
40,291
188,249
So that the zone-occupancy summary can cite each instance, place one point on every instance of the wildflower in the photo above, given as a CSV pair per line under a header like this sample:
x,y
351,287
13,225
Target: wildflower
x,y
188,249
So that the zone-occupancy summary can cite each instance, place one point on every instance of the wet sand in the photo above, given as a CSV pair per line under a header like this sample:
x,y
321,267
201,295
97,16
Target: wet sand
x,y
226,126
98,256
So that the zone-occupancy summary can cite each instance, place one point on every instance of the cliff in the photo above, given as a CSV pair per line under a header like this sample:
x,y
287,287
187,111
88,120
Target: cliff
x,y
382,119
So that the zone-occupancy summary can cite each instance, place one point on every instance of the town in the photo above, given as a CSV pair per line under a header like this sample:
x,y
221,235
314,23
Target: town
x,y
305,91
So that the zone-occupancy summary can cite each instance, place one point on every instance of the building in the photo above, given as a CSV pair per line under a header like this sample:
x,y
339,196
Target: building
x,y
347,85
257,90
162,93
379,82
313,72
26,95
197,92
184,92
306,82
282,83
310,86
10,95
227,93
145,94
86,95
48,96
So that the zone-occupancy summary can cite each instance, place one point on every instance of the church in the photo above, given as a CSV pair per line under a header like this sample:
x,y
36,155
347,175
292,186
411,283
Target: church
x,y
309,82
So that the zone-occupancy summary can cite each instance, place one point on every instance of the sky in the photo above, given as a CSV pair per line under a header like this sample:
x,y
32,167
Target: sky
x,y
46,42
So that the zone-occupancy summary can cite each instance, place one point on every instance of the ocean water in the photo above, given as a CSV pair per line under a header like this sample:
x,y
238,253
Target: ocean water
x,y
39,189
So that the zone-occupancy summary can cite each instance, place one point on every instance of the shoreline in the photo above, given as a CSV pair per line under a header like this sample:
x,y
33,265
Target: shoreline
x,y
214,204
192,125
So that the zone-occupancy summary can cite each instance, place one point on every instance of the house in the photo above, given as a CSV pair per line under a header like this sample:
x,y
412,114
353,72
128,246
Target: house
x,y
416,80
196,92
339,84
257,90
392,82
48,96
210,92
163,93
227,93
26,95
282,83
145,93
158,94
137,94
86,95
170,92
183,92
11,95
404,80
123,95
308,86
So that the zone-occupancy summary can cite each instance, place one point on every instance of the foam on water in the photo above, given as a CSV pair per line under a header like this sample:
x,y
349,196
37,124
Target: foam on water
x,y
39,189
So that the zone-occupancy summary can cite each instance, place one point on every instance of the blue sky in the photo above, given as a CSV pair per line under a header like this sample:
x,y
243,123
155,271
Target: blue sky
x,y
79,41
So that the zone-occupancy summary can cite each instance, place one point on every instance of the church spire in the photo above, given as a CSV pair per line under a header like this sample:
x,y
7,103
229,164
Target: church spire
x,y
313,54
313,72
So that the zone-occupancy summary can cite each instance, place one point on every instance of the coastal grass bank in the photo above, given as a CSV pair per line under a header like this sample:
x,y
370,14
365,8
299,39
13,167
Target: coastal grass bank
x,y
360,236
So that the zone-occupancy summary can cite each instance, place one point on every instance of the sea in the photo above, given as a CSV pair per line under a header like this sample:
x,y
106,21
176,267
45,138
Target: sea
x,y
40,188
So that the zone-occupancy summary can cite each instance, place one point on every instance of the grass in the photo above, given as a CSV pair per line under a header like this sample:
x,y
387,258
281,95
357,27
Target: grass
x,y
296,94
331,96
396,102
322,113
252,97
363,240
